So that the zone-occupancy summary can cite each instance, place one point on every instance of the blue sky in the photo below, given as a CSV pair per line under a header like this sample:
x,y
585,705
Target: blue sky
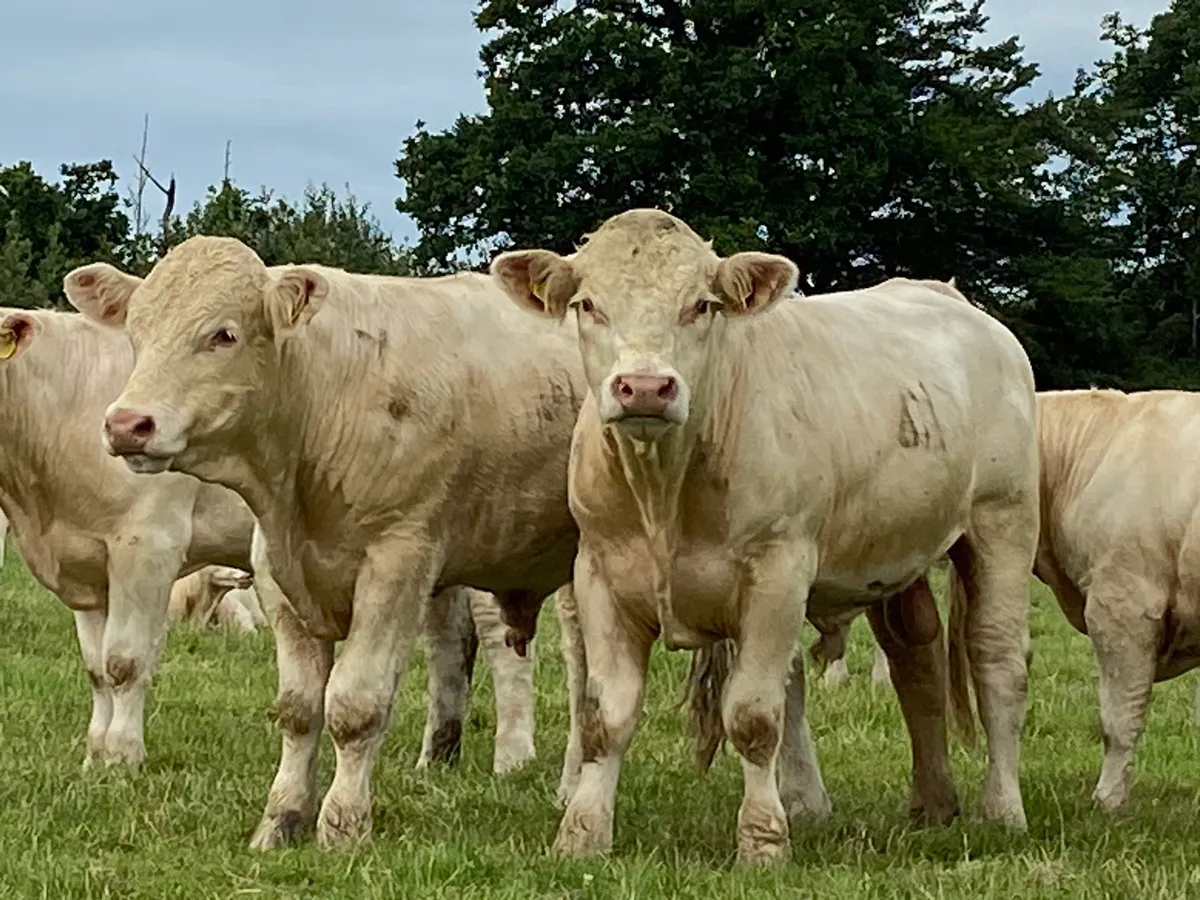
x,y
313,91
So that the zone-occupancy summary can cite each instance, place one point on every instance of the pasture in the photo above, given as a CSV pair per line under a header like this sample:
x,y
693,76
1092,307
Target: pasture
x,y
179,828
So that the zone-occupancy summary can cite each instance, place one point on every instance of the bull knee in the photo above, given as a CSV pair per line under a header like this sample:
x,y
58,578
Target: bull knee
x,y
754,733
352,721
121,670
294,712
594,740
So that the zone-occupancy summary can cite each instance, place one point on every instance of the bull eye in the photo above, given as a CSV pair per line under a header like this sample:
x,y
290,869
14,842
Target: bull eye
x,y
702,307
223,337
587,305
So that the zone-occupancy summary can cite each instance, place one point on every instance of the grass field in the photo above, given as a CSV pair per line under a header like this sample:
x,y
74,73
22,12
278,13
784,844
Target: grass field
x,y
180,827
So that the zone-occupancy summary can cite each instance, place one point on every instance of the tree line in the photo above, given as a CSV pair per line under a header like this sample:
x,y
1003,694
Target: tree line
x,y
860,140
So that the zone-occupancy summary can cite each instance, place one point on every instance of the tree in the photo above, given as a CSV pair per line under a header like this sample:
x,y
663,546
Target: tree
x,y
1136,130
860,140
321,228
48,229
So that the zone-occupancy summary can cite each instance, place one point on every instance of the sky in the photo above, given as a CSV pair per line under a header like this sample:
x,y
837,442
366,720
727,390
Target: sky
x,y
311,92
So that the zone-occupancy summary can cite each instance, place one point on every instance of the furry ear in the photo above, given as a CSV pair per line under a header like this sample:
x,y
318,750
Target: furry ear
x,y
753,282
538,280
101,292
294,297
17,331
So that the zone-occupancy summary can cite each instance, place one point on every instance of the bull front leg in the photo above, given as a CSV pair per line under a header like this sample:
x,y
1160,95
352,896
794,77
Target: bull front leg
x,y
617,652
754,706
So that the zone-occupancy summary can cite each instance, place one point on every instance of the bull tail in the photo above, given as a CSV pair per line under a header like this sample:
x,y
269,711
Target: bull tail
x,y
962,706
710,670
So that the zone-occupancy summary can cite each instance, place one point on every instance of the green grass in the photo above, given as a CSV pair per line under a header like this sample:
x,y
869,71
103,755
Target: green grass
x,y
180,827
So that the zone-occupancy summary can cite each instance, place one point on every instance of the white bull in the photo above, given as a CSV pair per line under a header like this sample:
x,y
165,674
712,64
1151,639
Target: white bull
x,y
740,462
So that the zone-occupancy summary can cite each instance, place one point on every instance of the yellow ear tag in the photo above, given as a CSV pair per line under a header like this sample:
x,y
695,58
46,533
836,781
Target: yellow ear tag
x,y
8,345
538,289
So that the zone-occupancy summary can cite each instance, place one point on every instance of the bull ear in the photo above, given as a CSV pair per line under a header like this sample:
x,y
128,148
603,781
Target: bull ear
x,y
538,280
293,297
101,292
17,331
752,282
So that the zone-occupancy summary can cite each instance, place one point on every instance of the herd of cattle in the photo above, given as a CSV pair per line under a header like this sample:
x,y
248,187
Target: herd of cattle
x,y
673,444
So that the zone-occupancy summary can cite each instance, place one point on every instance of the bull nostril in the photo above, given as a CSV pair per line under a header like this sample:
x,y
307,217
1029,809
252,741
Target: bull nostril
x,y
143,427
667,391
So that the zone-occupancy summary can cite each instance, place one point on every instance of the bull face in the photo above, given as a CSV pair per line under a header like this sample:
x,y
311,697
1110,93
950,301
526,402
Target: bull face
x,y
650,299
205,327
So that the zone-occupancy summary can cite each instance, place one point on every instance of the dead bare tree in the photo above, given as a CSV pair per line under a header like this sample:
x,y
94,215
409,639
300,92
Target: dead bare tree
x,y
164,241
137,191
225,175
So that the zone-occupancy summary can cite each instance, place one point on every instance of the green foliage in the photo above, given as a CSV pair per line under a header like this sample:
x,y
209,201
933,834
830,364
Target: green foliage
x,y
49,228
320,229
860,140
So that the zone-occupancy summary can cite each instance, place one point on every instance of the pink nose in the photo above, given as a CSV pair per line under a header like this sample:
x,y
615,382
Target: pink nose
x,y
128,431
645,395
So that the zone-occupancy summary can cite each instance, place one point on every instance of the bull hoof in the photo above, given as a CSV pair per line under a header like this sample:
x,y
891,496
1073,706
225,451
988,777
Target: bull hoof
x,y
583,836
120,750
509,759
762,837
281,829
338,826
836,674
1010,815
931,813
1110,799
808,808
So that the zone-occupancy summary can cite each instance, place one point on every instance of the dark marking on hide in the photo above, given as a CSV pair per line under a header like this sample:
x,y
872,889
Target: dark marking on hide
x,y
445,746
635,251
121,670
294,713
96,679
380,340
556,401
350,723
593,735
753,734
919,425
397,408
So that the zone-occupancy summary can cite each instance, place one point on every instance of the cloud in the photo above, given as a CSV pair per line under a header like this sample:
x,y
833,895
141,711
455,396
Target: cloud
x,y
311,91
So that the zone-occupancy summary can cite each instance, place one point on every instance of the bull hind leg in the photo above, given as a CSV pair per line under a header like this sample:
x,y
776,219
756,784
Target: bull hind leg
x,y
303,664
880,670
801,787
89,627
918,673
1125,622
512,684
994,560
452,644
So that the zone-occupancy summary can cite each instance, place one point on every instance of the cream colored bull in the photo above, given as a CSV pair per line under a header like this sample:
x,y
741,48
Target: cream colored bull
x,y
743,461
1120,547
393,436
107,542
